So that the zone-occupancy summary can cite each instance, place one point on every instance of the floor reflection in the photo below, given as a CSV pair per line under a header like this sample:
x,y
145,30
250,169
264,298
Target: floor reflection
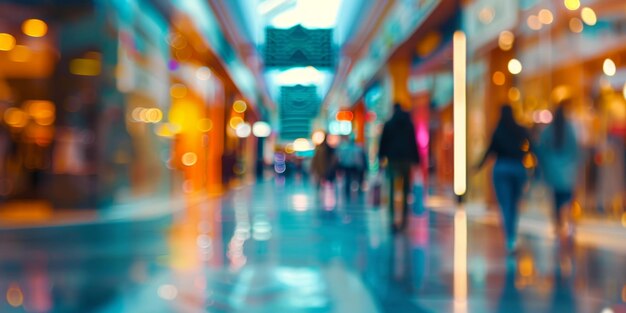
x,y
281,248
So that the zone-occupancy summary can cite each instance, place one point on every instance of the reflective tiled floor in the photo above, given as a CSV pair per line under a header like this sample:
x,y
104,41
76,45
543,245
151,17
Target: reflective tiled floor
x,y
285,247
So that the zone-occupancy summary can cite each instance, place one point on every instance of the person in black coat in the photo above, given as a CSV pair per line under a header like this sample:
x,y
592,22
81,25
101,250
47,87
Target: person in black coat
x,y
398,149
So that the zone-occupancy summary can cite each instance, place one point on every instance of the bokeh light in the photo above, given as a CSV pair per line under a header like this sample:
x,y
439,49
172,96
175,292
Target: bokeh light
x,y
203,73
35,28
318,137
15,296
609,68
533,22
235,121
240,106
589,16
514,94
15,117
506,40
189,159
546,17
486,15
261,129
243,130
576,25
572,5
7,42
515,66
42,111
498,78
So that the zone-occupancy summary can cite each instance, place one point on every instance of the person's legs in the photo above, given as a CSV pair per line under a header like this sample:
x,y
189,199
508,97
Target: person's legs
x,y
406,189
561,200
392,180
518,179
504,194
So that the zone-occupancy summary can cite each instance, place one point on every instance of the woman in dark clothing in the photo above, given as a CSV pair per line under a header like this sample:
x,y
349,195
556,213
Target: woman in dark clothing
x,y
509,145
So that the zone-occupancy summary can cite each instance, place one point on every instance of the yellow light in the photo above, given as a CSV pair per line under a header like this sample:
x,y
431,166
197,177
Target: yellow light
x,y
35,27
515,66
205,125
498,78
589,16
15,297
460,257
318,137
164,130
235,121
239,106
460,112
302,144
514,94
561,92
178,91
189,159
15,117
85,67
7,42
572,5
506,40
153,115
576,25
20,53
624,224
533,22
624,91
42,111
546,17
609,67
526,266
136,114
289,148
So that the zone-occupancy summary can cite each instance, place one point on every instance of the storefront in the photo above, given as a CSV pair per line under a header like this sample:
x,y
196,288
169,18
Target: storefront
x,y
533,56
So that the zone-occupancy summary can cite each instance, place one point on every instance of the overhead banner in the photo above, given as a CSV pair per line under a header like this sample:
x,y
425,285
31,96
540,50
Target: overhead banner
x,y
299,46
298,106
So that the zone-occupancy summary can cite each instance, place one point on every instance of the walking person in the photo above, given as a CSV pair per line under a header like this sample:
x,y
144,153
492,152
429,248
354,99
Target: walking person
x,y
558,159
398,150
350,160
509,145
323,164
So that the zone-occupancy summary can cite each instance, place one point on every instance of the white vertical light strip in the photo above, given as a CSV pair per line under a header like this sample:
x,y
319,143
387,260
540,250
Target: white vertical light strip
x,y
460,262
460,113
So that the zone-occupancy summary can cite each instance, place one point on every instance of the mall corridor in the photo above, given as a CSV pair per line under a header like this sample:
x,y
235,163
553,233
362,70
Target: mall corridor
x,y
312,156
276,247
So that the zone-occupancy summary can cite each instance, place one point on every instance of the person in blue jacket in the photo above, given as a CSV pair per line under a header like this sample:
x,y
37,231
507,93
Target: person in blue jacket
x,y
558,154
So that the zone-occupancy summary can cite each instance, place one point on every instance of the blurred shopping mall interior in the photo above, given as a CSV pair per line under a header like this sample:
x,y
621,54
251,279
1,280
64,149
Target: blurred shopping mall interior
x,y
164,156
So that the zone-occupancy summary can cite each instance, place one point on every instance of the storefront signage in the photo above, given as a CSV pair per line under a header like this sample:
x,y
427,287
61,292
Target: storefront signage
x,y
402,21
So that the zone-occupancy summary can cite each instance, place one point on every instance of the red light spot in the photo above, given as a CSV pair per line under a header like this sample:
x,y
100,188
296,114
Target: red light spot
x,y
344,116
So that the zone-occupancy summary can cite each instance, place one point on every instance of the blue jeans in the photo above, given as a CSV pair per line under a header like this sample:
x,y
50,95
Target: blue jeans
x,y
509,177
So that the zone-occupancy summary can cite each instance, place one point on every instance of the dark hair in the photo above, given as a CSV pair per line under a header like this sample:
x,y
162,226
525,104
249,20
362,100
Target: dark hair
x,y
509,128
